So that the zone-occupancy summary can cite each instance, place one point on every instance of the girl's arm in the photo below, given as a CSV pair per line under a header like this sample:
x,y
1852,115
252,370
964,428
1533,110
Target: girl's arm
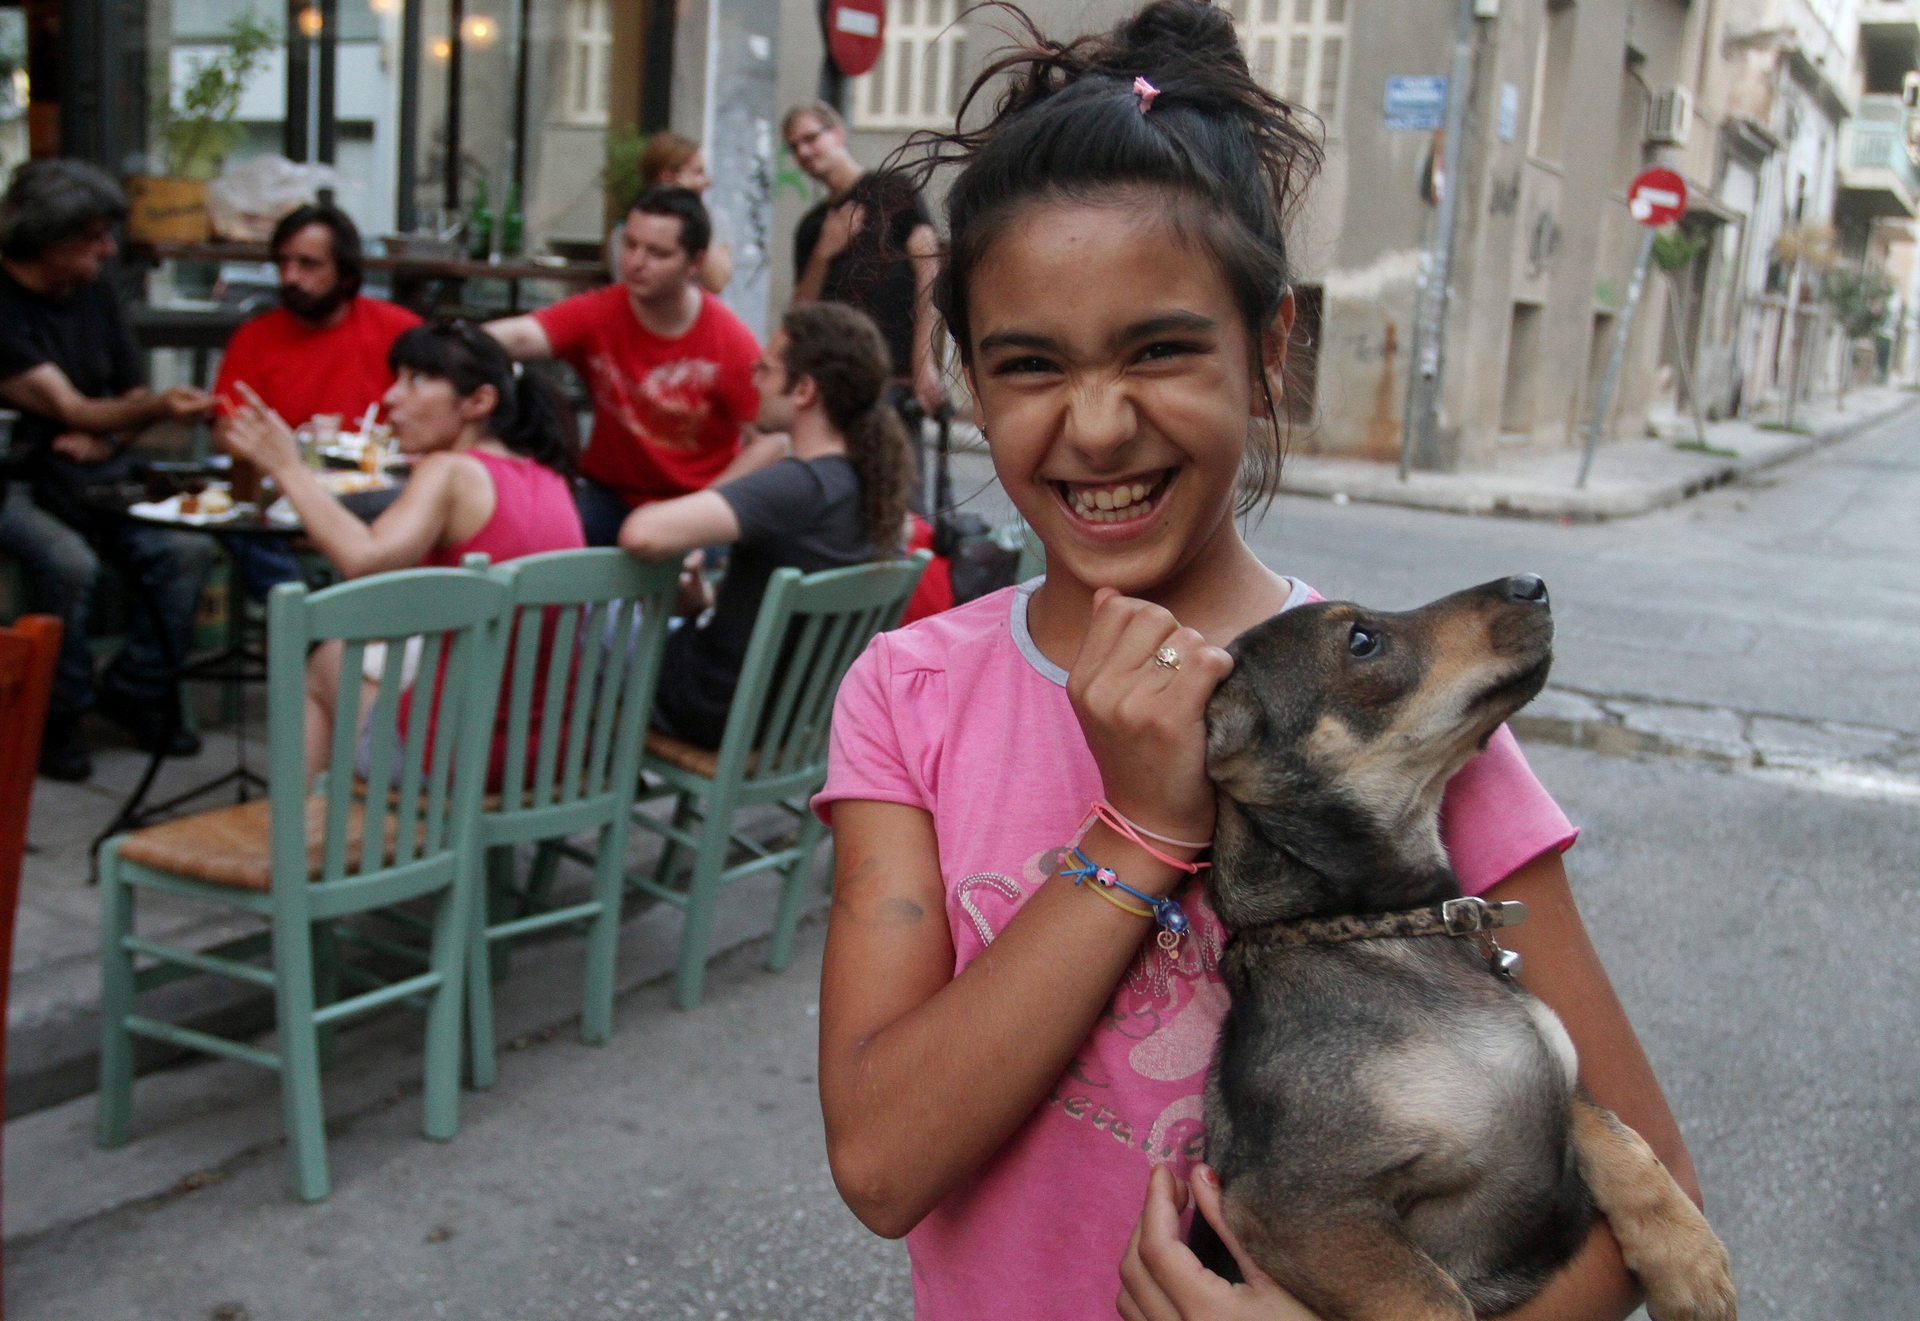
x,y
923,1075
447,497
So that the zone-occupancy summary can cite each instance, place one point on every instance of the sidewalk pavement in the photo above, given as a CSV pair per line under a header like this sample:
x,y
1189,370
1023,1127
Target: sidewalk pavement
x,y
1629,476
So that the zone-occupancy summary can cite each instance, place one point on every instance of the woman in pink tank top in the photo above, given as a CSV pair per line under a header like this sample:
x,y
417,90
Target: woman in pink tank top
x,y
491,468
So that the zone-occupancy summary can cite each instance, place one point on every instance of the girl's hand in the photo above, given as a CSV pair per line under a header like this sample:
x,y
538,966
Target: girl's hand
x,y
1144,721
256,433
1161,1279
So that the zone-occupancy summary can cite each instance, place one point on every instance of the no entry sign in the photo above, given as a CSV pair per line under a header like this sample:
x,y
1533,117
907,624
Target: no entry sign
x,y
855,34
1658,197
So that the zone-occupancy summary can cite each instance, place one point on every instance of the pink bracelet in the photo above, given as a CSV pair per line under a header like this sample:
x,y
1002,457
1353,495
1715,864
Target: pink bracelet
x,y
1108,814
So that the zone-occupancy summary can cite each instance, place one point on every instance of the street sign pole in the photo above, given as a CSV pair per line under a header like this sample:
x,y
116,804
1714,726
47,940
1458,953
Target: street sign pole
x,y
1656,197
1429,330
1604,404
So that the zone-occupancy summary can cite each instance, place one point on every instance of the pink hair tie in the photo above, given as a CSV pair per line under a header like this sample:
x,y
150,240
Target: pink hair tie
x,y
1105,812
1146,91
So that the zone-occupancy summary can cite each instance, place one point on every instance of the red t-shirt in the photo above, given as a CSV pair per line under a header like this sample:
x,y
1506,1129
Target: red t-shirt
x,y
301,371
667,413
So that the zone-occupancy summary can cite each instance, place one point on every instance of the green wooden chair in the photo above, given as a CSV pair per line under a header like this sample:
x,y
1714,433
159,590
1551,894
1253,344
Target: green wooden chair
x,y
304,863
600,617
774,750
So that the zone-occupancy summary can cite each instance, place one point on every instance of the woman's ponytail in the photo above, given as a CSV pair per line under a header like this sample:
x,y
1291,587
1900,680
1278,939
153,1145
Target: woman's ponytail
x,y
540,426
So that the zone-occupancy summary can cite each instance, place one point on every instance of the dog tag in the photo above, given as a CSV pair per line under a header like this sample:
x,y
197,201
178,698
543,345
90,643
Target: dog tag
x,y
1169,941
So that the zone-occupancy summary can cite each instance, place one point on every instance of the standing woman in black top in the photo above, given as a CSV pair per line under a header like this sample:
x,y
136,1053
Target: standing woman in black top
x,y
840,499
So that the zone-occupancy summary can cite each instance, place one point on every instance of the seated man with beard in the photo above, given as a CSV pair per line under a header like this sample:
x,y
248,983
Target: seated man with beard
x,y
323,350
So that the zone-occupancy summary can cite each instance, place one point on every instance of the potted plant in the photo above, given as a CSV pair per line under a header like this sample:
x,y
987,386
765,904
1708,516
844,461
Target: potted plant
x,y
198,131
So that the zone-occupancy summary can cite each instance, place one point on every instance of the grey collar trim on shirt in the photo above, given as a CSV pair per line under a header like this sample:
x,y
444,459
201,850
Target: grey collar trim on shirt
x,y
1297,594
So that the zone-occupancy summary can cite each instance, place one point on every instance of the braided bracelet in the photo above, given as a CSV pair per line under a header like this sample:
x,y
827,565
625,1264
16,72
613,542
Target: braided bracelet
x,y
1171,918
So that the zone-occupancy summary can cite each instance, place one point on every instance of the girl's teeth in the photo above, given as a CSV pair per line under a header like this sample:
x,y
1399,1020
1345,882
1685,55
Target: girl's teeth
x,y
1104,499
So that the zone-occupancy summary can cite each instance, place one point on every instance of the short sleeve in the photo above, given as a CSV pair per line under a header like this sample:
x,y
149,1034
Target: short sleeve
x,y
569,323
126,364
1496,817
866,758
18,351
772,502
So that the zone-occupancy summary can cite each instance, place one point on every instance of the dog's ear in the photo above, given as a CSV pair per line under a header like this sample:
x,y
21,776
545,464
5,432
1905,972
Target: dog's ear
x,y
1235,727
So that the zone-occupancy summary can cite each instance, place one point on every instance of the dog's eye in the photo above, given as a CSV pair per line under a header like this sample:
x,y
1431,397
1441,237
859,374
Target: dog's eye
x,y
1364,642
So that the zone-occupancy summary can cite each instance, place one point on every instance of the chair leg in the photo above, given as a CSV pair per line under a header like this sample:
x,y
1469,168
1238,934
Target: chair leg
x,y
113,1108
670,855
703,898
603,936
454,926
793,891
546,863
305,1114
482,1068
502,905
326,983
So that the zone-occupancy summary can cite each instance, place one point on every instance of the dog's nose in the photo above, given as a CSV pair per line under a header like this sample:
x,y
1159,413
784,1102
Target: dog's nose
x,y
1527,587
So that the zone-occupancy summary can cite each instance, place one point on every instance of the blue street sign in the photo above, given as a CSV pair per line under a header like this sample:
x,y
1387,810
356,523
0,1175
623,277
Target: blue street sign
x,y
1416,101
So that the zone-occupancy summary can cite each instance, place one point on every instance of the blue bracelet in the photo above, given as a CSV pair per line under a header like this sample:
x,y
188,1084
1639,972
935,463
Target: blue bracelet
x,y
1167,912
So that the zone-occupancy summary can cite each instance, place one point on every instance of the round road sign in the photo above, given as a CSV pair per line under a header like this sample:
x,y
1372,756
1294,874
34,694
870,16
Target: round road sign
x,y
1657,197
855,34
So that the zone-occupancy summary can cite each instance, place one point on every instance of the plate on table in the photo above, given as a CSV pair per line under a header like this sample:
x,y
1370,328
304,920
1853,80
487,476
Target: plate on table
x,y
351,481
213,505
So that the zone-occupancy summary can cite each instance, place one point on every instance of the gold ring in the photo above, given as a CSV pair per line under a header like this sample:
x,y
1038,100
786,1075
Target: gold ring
x,y
1167,658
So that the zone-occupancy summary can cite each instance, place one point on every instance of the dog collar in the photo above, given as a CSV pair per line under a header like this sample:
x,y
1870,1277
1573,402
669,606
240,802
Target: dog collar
x,y
1471,916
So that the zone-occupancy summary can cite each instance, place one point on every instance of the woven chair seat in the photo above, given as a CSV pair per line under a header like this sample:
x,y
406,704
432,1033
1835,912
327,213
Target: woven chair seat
x,y
678,752
234,845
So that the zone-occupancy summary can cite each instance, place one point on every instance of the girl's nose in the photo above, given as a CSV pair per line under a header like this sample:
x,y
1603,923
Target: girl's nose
x,y
1100,419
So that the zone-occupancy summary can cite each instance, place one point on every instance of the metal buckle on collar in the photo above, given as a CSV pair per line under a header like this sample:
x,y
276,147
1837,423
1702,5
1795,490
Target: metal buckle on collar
x,y
1473,916
1465,917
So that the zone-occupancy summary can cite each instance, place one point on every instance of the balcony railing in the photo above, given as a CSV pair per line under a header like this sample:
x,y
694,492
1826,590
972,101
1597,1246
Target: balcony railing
x,y
1876,166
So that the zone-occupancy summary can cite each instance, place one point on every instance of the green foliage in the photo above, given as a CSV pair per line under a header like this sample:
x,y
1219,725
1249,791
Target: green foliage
x,y
200,131
621,174
1859,300
1674,249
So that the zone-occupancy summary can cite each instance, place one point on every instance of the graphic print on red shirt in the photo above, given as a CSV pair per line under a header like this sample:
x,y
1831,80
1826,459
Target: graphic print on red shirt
x,y
667,413
301,371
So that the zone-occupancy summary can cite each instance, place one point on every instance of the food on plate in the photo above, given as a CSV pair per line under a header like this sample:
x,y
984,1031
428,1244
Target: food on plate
x,y
212,502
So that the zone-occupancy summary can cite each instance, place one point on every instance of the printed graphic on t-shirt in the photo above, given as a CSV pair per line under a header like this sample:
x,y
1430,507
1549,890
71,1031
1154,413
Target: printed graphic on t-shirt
x,y
669,407
1155,1041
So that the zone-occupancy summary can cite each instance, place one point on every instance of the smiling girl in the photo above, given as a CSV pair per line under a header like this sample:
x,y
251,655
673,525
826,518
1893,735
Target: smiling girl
x,y
1009,1060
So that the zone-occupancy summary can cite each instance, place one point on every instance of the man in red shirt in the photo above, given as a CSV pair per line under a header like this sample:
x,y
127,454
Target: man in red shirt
x,y
323,350
670,368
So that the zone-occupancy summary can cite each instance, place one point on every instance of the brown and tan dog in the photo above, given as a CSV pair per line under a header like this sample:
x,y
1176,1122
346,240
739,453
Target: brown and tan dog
x,y
1397,1124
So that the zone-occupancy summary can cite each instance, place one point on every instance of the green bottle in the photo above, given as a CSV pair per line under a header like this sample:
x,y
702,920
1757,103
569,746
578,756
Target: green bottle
x,y
511,223
479,224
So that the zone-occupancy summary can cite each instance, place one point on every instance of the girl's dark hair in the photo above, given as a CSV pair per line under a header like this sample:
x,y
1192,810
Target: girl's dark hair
x,y
1231,159
845,354
530,418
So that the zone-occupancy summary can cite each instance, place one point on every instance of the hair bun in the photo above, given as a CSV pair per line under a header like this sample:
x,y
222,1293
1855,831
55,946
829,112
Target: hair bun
x,y
1176,32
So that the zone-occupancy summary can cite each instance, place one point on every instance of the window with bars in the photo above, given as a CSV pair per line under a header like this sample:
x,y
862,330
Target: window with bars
x,y
1297,49
589,45
919,79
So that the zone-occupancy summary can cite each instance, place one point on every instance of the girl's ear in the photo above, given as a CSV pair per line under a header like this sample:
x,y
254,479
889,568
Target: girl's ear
x,y
1273,355
479,406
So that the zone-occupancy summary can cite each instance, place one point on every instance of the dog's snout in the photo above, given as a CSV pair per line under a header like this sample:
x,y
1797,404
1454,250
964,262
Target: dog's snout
x,y
1527,587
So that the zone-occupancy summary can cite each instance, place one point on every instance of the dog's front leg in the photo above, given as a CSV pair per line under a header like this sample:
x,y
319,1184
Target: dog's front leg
x,y
1351,1264
1664,1239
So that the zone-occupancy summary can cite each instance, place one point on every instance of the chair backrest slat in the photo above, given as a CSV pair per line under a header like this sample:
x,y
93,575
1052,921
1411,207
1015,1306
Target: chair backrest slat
x,y
815,627
423,773
610,614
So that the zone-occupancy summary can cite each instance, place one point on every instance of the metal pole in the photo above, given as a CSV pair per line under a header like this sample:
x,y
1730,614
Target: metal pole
x,y
1429,344
450,172
523,32
1604,404
328,125
299,54
406,183
1680,358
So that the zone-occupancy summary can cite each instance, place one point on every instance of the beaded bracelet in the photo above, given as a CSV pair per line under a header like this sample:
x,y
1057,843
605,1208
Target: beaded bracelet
x,y
1171,918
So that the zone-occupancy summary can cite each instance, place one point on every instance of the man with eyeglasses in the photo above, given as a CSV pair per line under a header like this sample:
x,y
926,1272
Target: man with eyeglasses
x,y
669,366
869,243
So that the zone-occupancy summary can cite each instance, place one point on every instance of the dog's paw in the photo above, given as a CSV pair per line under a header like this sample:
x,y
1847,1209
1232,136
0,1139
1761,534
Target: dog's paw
x,y
1684,1269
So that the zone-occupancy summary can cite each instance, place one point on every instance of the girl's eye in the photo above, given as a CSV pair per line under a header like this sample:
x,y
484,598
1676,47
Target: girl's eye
x,y
1364,643
1023,366
1167,349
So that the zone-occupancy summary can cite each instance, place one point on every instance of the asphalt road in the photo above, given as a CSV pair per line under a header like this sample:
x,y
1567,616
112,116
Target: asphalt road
x,y
1763,937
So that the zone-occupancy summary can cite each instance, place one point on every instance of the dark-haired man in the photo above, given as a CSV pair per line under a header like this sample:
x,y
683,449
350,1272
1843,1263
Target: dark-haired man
x,y
322,351
69,364
670,368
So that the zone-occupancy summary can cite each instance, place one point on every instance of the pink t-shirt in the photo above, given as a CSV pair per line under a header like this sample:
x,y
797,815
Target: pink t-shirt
x,y
961,715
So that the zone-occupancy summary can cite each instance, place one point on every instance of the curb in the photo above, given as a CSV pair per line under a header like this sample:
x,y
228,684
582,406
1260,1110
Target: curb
x,y
1481,493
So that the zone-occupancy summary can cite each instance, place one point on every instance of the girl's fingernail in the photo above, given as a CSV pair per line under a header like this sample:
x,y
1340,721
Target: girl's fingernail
x,y
1212,1179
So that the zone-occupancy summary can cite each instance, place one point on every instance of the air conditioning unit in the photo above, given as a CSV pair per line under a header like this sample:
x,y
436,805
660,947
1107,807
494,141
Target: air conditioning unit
x,y
1910,91
1669,116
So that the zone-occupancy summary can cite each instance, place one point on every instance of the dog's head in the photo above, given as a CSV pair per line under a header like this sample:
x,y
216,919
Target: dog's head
x,y
1332,741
